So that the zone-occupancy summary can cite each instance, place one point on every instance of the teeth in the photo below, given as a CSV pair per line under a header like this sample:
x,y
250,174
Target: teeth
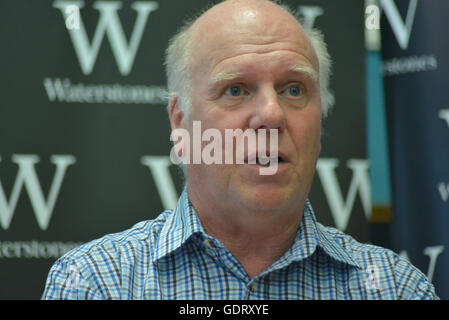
x,y
264,161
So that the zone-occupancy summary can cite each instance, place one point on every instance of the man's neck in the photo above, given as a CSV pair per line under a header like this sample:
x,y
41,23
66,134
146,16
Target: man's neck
x,y
256,239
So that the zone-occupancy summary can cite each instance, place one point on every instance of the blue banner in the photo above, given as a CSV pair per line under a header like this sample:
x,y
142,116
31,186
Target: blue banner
x,y
415,51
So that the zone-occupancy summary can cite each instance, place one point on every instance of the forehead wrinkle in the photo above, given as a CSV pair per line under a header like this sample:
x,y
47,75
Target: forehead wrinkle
x,y
247,52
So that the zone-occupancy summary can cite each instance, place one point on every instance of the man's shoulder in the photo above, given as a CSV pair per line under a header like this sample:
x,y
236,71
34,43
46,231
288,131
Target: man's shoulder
x,y
392,270
140,239
111,267
354,247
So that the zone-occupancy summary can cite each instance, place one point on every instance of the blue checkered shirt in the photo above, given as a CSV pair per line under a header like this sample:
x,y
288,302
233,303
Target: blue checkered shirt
x,y
171,257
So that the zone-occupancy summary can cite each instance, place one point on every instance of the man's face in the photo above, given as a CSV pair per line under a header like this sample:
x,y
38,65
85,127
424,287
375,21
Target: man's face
x,y
247,74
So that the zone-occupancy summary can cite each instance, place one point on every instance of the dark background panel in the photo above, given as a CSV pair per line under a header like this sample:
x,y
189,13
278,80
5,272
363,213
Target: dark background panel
x,y
108,189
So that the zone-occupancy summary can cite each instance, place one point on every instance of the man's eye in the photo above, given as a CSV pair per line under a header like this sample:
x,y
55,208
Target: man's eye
x,y
234,91
294,91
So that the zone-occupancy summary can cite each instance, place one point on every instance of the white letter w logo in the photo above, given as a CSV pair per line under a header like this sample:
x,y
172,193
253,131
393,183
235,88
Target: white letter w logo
x,y
401,30
341,209
108,23
27,177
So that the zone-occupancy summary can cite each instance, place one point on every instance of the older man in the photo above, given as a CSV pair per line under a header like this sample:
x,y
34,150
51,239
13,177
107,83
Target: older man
x,y
237,234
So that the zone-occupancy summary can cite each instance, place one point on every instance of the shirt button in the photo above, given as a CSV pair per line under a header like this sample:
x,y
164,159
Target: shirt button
x,y
209,243
253,287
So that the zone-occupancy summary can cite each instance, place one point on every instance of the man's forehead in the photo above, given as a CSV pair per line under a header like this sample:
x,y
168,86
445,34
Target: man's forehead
x,y
238,29
238,15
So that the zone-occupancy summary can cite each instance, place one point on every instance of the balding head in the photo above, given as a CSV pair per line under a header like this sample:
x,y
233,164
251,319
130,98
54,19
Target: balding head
x,y
240,16
215,29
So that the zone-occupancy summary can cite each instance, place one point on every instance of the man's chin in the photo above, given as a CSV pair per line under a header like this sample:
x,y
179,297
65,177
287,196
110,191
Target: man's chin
x,y
266,198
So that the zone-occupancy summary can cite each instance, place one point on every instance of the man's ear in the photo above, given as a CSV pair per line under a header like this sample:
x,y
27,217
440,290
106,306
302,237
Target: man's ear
x,y
175,113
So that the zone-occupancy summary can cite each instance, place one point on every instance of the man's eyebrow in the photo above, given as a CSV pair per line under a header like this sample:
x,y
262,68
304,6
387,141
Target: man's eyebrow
x,y
224,75
308,71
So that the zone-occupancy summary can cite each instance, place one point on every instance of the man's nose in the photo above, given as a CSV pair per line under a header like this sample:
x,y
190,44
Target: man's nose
x,y
268,111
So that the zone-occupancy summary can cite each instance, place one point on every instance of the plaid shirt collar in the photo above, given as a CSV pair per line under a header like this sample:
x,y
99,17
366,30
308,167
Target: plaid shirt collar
x,y
183,224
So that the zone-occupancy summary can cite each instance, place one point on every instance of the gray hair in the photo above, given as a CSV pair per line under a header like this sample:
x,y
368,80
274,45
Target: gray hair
x,y
178,54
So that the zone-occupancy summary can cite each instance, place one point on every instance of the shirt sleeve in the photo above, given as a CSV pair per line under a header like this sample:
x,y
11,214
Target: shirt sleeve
x,y
67,281
411,283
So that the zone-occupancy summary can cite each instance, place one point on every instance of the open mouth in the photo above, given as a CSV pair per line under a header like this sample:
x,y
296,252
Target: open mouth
x,y
265,161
